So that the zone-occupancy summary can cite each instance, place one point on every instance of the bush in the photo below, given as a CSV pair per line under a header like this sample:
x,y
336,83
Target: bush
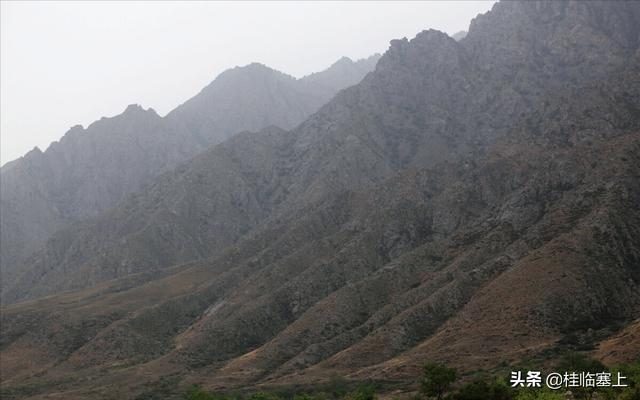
x,y
197,393
540,394
263,396
363,392
303,396
436,379
632,373
337,386
580,362
481,390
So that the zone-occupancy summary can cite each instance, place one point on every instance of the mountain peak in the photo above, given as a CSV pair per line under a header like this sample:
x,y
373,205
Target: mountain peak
x,y
581,35
134,108
343,60
34,152
137,109
76,128
431,36
256,67
427,47
249,71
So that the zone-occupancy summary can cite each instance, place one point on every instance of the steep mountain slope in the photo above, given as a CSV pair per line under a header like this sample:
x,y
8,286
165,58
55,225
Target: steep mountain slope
x,y
343,73
364,277
254,97
474,202
233,181
91,170
622,347
83,174
429,100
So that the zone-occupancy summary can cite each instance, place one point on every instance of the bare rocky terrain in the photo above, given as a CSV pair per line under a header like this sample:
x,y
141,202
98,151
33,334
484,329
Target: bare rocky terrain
x,y
471,201
91,170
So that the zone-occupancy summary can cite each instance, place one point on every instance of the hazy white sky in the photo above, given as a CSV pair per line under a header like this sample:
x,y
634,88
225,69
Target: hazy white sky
x,y
68,63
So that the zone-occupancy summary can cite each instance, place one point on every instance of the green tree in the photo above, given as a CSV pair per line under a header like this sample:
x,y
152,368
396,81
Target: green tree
x,y
337,386
632,374
476,390
363,392
263,396
303,396
483,390
539,394
436,379
197,393
580,362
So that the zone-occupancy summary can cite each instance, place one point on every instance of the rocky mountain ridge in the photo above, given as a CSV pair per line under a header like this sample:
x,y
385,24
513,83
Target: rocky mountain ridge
x,y
429,100
473,202
90,170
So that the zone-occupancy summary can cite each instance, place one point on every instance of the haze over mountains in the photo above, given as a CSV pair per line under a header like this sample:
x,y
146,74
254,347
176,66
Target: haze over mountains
x,y
90,170
473,201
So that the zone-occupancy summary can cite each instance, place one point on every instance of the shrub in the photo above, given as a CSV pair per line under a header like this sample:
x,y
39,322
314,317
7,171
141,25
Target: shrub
x,y
482,390
580,362
436,379
363,392
303,396
197,393
540,394
263,396
337,386
632,374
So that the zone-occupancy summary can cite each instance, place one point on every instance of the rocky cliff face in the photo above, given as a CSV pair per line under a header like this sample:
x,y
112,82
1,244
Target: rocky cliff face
x,y
469,201
430,100
90,170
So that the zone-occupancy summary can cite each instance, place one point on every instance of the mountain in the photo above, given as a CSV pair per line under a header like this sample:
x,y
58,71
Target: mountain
x,y
254,97
90,170
473,202
343,73
428,101
459,35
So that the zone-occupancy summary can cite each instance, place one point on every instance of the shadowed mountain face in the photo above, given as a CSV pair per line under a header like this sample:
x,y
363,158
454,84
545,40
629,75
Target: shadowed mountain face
x,y
91,170
471,201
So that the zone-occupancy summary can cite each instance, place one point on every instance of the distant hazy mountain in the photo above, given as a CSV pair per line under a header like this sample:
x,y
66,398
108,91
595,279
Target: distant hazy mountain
x,y
253,97
459,35
343,73
90,170
473,202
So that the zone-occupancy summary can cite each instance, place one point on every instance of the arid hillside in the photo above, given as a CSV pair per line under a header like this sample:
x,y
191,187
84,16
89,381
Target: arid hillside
x,y
473,202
